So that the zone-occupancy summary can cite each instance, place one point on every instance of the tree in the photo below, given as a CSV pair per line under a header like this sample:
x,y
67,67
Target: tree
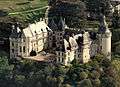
x,y
60,80
73,12
95,75
115,19
66,85
85,83
96,82
6,74
105,62
97,6
83,75
59,71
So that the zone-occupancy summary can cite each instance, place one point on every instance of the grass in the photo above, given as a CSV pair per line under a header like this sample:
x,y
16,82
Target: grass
x,y
22,8
21,5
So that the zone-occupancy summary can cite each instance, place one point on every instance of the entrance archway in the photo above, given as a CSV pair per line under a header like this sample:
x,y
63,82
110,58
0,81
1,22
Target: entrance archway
x,y
33,53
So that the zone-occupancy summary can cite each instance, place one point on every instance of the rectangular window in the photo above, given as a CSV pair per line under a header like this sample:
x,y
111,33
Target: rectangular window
x,y
20,49
75,56
23,40
61,34
59,59
12,44
62,59
12,50
24,49
61,37
62,54
59,53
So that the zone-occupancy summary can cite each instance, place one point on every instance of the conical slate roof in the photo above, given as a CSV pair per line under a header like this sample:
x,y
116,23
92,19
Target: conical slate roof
x,y
61,24
103,28
53,25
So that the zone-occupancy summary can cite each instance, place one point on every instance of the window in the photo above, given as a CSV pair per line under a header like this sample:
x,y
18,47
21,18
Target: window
x,y
59,59
12,50
61,42
75,56
58,53
61,38
62,54
12,44
20,49
61,34
23,40
54,38
46,28
62,59
24,49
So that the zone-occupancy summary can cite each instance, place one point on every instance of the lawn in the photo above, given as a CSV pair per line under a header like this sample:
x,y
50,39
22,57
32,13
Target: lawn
x,y
21,5
26,10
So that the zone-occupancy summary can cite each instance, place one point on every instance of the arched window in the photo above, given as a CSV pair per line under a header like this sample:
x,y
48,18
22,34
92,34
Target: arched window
x,y
33,53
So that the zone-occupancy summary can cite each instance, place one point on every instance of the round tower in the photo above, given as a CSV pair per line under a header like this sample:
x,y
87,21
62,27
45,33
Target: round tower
x,y
105,37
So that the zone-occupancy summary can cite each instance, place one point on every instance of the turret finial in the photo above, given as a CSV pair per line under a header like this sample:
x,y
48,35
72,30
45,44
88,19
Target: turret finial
x,y
103,24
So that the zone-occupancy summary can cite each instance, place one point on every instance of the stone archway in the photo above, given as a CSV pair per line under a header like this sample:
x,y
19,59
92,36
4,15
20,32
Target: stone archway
x,y
33,53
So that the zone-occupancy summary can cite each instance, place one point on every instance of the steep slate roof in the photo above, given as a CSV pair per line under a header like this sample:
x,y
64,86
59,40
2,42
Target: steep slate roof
x,y
34,29
70,43
103,28
16,32
31,30
53,25
61,24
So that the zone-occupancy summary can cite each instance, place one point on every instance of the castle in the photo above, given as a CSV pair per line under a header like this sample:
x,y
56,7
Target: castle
x,y
66,43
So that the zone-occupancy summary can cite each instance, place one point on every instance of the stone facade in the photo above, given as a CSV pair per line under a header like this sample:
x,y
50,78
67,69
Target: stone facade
x,y
66,43
36,37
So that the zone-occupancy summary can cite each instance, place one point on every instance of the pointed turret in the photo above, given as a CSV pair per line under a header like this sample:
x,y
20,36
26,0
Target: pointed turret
x,y
103,25
51,2
16,31
105,37
53,25
61,24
